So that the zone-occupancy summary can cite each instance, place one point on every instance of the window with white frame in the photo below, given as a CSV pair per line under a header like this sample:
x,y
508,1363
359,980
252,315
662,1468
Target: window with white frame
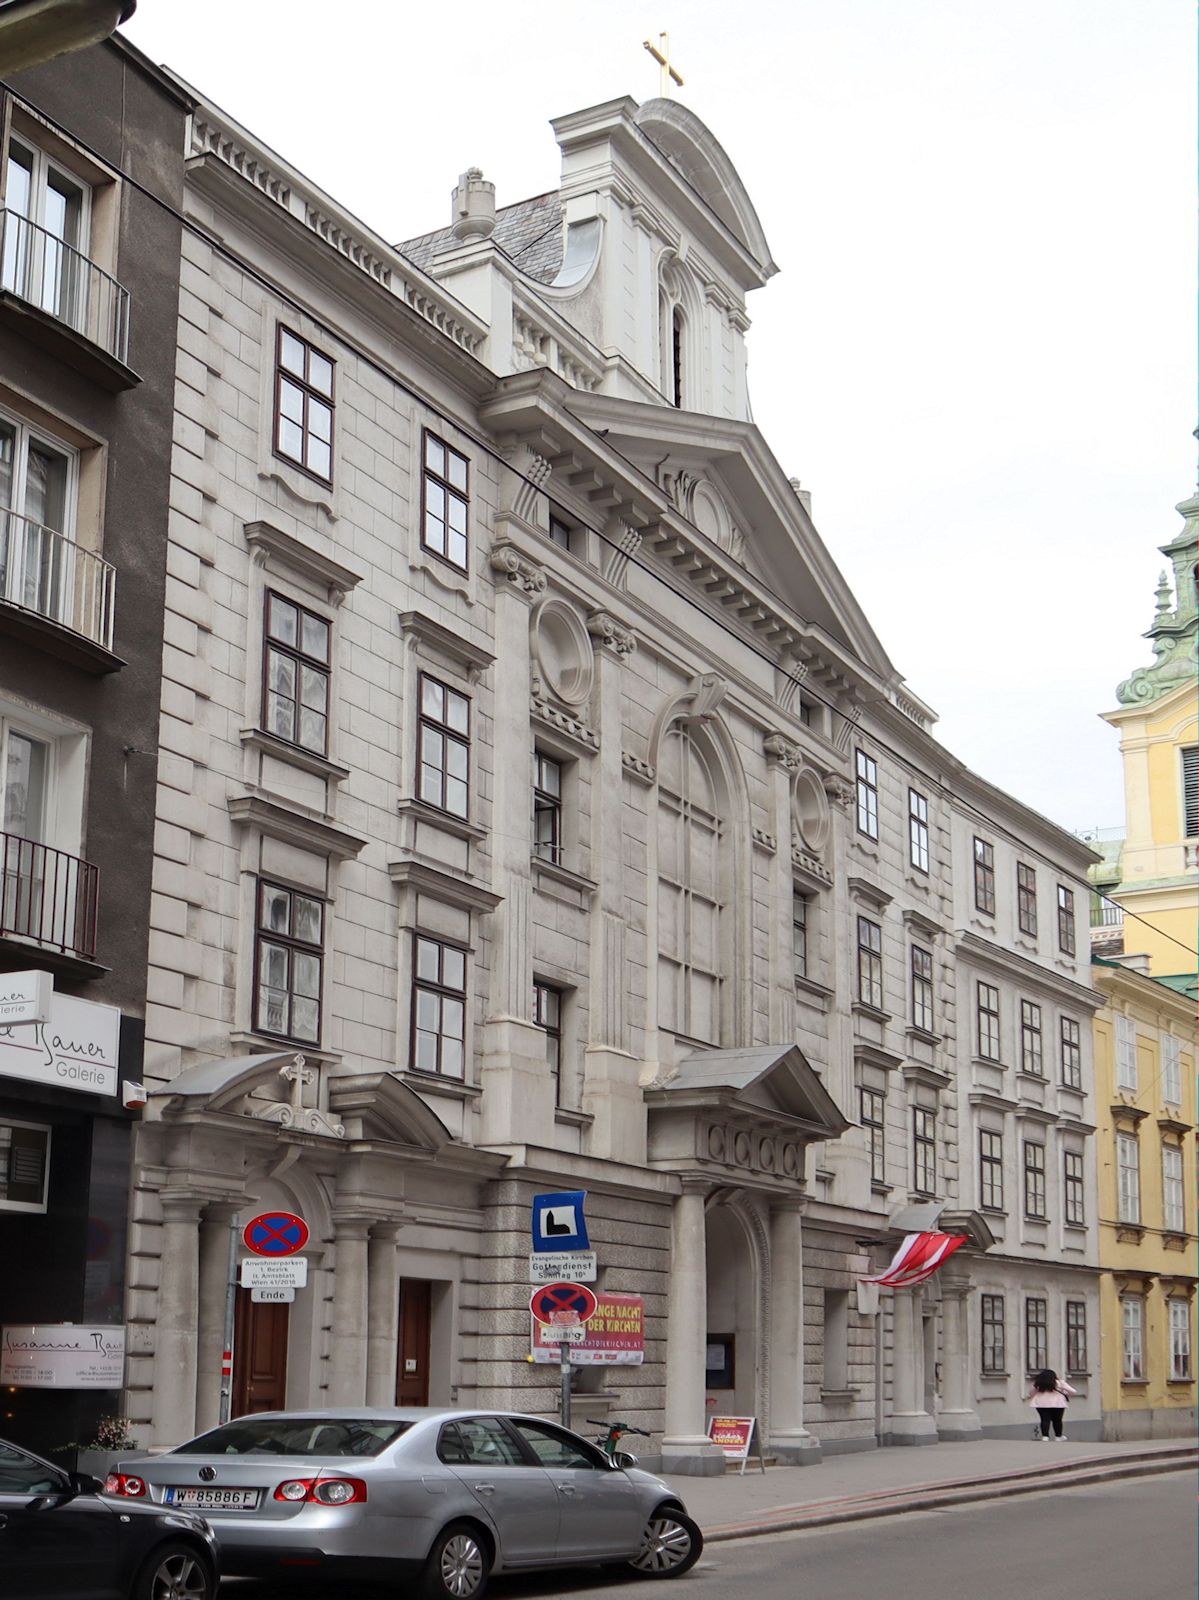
x,y
547,806
1133,1319
987,1004
984,876
47,893
1031,1055
1180,1339
923,1011
990,1169
296,681
1171,1069
38,492
1126,1054
547,1014
1128,1168
1073,1192
924,1150
866,789
918,830
1071,1041
1036,1333
46,234
444,747
1076,1336
1066,937
24,1165
1034,1181
289,957
870,963
304,405
1173,1194
439,1008
446,491
694,885
1190,790
801,905
994,1343
874,1120
1026,899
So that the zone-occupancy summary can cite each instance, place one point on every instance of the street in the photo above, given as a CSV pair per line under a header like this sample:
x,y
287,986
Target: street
x,y
1073,1544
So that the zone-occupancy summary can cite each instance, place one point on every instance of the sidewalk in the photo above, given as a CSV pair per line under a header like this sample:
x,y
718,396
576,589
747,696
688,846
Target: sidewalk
x,y
883,1482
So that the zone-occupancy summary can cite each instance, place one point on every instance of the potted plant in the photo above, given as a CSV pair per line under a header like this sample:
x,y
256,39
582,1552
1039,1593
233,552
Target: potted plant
x,y
110,1440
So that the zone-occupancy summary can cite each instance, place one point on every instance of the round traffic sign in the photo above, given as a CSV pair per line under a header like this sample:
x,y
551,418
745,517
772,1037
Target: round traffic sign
x,y
275,1233
562,1302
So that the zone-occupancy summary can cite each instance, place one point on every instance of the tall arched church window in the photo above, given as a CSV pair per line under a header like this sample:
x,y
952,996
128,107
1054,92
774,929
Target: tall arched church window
x,y
677,332
692,891
672,337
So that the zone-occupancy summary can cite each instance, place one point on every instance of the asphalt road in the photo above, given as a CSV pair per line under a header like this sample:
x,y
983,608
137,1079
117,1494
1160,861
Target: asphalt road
x,y
1109,1542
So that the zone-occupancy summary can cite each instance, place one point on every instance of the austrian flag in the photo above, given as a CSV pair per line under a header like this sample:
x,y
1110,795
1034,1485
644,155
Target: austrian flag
x,y
917,1258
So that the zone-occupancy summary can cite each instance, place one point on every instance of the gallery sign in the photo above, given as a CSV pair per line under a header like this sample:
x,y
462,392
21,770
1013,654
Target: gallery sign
x,y
75,1048
62,1355
26,996
613,1336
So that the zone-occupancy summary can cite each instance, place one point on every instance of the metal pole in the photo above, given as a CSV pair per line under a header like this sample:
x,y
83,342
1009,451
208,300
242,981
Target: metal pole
x,y
564,1358
230,1306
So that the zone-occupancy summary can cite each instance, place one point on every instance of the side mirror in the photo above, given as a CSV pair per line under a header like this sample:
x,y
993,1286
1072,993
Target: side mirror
x,y
84,1483
624,1458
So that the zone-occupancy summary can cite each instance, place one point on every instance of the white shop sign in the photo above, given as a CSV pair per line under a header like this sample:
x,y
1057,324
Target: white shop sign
x,y
267,1272
62,1355
564,1266
272,1297
75,1049
26,996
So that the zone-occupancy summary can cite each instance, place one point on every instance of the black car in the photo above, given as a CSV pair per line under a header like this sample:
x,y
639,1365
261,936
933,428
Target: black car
x,y
61,1537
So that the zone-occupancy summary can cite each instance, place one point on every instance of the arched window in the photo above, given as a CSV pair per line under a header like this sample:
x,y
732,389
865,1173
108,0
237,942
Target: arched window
x,y
673,378
677,332
693,891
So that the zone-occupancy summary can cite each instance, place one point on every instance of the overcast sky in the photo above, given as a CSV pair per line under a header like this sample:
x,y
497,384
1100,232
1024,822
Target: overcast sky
x,y
979,354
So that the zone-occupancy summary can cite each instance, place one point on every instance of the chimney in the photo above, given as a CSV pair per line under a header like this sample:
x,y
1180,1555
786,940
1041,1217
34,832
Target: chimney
x,y
473,206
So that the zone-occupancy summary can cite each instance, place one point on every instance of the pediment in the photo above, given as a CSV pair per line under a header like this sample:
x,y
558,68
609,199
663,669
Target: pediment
x,y
772,1083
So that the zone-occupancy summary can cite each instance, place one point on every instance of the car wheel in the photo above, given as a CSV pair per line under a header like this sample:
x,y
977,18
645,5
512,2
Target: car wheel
x,y
458,1564
175,1572
670,1546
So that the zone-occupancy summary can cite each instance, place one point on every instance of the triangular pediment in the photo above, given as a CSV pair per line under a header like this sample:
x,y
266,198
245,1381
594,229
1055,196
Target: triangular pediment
x,y
775,1082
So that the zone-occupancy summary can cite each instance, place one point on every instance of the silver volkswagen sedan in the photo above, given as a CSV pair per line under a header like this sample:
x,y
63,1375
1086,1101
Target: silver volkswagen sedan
x,y
446,1496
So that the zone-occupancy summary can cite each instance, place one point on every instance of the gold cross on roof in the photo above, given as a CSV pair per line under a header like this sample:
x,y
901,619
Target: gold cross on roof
x,y
662,57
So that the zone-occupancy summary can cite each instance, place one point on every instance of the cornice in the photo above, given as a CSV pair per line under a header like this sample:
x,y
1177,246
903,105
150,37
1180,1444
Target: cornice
x,y
1025,971
455,646
294,826
453,888
266,540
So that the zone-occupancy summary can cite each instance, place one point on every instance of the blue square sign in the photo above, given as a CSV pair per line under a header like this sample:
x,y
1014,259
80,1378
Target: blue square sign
x,y
558,1221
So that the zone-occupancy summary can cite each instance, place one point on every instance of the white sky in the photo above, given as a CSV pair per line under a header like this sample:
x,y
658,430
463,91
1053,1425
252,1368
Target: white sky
x,y
978,354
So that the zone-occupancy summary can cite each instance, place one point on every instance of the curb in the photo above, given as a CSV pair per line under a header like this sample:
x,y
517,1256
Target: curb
x,y
894,1502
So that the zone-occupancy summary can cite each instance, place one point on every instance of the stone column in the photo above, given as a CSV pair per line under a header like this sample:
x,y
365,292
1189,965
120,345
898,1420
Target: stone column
x,y
788,1436
910,1422
175,1328
958,1419
685,1445
382,1314
347,1355
212,1305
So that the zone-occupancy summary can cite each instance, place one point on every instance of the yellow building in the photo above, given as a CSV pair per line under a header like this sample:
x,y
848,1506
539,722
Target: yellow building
x,y
1145,1095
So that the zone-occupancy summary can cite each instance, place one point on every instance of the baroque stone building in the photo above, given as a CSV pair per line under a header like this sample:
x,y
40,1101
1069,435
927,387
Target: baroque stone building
x,y
537,811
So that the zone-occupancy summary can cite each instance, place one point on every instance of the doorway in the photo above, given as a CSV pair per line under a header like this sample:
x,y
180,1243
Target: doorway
x,y
412,1350
259,1356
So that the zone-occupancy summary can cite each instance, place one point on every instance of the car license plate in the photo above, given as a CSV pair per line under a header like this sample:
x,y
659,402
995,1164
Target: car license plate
x,y
212,1499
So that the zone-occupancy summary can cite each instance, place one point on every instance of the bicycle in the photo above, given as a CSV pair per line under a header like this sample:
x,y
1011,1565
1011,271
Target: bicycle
x,y
614,1432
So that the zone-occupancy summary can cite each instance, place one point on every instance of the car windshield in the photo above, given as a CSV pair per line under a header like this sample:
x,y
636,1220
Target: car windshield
x,y
296,1436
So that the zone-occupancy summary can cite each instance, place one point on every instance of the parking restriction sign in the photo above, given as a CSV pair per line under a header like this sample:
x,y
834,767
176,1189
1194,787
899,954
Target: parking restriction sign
x,y
275,1233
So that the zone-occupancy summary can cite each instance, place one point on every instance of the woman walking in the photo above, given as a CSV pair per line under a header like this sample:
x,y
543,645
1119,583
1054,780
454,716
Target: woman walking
x,y
1048,1396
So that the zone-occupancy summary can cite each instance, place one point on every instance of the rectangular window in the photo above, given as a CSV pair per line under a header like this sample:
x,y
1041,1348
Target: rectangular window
x,y
1073,1194
866,770
439,1008
1076,1336
990,1169
1126,1054
1134,1338
1190,790
1026,899
1034,1182
874,1120
1066,941
988,1021
1031,1055
547,807
289,956
1171,1069
1173,1197
304,406
39,567
24,1166
446,488
47,240
924,1150
547,1014
560,531
870,963
994,1346
1036,1334
444,747
1071,1053
800,905
296,680
984,876
1180,1340
1128,1165
923,1014
918,830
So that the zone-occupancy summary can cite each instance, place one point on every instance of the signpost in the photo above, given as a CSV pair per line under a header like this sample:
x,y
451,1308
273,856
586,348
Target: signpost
x,y
290,1273
563,1308
613,1336
558,1266
275,1233
559,1223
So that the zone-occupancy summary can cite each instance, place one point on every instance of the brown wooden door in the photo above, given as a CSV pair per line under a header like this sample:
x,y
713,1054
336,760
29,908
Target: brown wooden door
x,y
259,1356
412,1356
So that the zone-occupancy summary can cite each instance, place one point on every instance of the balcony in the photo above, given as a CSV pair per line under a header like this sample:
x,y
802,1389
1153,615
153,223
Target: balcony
x,y
64,302
48,899
62,596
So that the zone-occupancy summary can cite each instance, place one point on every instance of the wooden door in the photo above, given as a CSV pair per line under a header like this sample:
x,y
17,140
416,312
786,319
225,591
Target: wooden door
x,y
259,1356
412,1354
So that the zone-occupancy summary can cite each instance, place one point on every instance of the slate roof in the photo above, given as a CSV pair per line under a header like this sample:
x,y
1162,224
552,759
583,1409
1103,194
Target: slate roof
x,y
530,233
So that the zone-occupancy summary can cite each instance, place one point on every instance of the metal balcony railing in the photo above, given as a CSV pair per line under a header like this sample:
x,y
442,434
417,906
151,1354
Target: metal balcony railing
x,y
45,572
47,896
43,269
1106,915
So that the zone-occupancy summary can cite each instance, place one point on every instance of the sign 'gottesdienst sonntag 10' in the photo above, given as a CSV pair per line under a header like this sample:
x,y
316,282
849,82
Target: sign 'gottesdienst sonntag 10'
x,y
75,1048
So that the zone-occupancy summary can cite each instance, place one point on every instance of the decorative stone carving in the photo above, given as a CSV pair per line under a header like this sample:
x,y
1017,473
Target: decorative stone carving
x,y
765,841
809,810
810,864
563,721
644,771
610,634
839,791
293,1113
563,660
521,487
781,750
706,693
624,543
506,561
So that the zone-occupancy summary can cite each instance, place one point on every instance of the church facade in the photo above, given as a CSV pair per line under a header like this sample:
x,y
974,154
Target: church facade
x,y
538,811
